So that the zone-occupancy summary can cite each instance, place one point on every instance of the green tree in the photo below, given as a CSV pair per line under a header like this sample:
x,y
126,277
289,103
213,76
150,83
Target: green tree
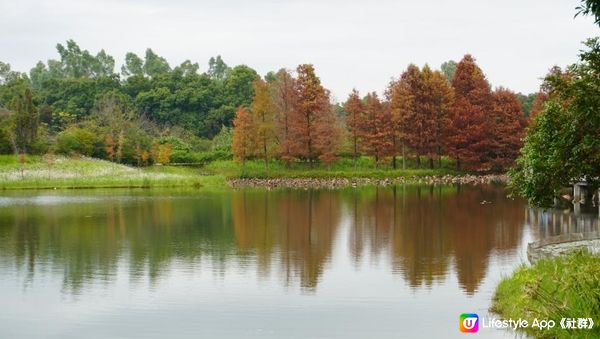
x,y
6,74
239,89
449,68
154,64
187,68
77,63
589,7
526,102
26,121
38,75
563,141
221,143
217,68
134,65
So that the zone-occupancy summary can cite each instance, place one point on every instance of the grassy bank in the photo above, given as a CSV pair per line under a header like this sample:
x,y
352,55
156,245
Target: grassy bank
x,y
61,172
343,168
566,287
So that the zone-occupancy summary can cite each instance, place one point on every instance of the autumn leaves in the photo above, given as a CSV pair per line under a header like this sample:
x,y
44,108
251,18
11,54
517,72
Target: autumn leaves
x,y
422,115
291,118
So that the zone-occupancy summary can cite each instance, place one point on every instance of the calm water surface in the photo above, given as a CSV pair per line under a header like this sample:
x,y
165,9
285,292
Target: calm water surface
x,y
397,262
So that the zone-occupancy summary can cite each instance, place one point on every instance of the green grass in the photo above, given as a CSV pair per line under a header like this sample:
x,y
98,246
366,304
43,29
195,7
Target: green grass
x,y
567,286
61,172
343,168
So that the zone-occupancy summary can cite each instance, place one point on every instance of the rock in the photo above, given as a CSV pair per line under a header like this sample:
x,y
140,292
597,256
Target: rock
x,y
334,183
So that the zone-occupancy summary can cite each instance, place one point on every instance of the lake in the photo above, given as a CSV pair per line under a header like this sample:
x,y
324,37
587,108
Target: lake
x,y
392,262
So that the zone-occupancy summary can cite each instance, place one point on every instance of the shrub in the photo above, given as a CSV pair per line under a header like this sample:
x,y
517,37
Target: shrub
x,y
75,140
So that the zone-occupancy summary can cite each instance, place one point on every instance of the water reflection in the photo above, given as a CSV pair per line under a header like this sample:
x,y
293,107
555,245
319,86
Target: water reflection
x,y
297,226
427,229
425,233
550,223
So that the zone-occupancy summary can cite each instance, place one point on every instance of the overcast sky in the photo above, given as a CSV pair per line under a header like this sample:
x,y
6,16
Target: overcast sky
x,y
360,44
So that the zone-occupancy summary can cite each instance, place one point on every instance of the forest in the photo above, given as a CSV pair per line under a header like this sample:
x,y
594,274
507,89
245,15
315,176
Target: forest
x,y
424,114
151,112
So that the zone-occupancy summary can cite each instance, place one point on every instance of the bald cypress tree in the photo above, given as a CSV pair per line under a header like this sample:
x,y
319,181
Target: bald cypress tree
x,y
378,129
265,120
468,140
355,119
243,144
508,128
310,117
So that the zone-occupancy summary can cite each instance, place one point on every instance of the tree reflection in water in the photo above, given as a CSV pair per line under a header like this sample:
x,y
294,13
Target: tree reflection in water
x,y
426,232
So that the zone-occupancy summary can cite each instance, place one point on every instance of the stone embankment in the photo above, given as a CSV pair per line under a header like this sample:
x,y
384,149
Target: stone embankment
x,y
563,244
355,182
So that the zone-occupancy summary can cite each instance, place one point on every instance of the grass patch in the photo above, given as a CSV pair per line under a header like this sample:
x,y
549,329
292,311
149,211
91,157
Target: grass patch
x,y
62,172
343,168
563,287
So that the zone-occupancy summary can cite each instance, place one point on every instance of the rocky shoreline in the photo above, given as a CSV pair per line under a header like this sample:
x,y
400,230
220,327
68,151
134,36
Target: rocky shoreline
x,y
356,182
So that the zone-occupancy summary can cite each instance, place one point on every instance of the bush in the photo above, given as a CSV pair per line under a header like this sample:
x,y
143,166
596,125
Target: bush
x,y
563,287
222,142
183,157
5,145
75,140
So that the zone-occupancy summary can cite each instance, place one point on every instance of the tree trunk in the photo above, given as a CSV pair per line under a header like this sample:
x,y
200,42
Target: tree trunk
x,y
266,154
403,158
394,151
355,153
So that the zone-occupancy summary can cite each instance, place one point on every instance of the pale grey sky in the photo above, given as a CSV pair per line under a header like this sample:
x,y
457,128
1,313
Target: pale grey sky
x,y
360,44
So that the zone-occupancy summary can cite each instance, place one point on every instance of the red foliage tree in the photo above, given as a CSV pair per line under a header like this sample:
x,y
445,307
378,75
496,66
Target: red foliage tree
x,y
538,104
415,120
285,99
468,140
436,102
243,144
355,120
378,129
264,115
508,128
401,102
328,134
310,118
109,146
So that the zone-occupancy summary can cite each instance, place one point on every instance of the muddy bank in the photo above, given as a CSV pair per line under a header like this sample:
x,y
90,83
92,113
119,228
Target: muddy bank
x,y
356,182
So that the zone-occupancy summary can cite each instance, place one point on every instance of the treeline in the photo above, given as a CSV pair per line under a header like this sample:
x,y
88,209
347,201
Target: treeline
x,y
80,104
151,112
425,114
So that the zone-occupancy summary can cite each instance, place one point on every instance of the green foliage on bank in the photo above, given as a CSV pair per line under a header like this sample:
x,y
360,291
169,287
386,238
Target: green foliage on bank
x,y
563,287
60,172
57,171
563,142
343,168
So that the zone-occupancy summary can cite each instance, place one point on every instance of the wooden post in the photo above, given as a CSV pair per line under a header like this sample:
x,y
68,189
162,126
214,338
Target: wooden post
x,y
576,192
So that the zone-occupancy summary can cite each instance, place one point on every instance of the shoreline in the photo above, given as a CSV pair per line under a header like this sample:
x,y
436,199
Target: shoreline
x,y
216,180
89,173
333,183
537,291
